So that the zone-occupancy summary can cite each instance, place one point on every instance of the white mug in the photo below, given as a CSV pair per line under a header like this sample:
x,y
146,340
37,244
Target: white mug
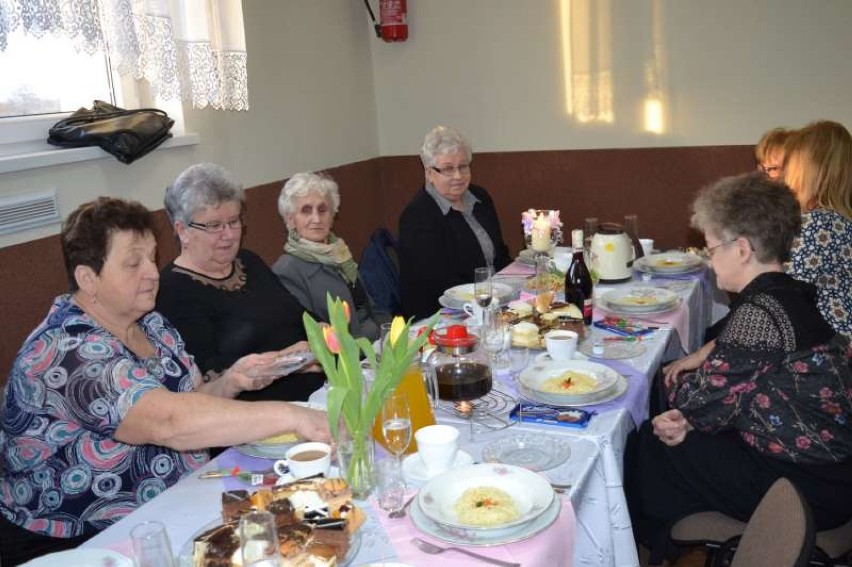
x,y
561,344
475,311
647,245
305,459
437,446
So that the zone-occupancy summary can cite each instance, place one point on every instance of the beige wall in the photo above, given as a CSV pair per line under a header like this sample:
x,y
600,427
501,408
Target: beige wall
x,y
724,70
312,107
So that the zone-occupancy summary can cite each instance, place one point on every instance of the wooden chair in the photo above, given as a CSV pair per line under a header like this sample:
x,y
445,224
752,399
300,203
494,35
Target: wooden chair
x,y
713,529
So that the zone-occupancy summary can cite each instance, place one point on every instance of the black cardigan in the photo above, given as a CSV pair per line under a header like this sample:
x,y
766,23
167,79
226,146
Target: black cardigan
x,y
438,251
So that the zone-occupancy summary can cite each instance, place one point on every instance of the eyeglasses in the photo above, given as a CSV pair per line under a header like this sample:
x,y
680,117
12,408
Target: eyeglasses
x,y
770,169
712,250
216,226
450,171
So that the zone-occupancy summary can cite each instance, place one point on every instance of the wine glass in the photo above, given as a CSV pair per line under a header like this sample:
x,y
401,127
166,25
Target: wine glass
x,y
396,424
483,290
496,340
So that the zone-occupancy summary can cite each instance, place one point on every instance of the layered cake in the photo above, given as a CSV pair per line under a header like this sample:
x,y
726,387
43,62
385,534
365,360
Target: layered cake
x,y
315,519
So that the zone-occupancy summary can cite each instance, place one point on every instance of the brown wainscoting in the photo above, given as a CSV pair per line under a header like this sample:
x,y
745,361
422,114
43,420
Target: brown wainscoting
x,y
657,184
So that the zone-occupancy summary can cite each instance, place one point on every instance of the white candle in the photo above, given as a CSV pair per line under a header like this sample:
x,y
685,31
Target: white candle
x,y
541,234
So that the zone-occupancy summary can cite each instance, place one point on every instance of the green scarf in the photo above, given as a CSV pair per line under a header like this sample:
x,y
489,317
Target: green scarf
x,y
335,253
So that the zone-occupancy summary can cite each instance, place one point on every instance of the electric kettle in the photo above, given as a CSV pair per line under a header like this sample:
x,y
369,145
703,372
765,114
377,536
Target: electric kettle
x,y
612,253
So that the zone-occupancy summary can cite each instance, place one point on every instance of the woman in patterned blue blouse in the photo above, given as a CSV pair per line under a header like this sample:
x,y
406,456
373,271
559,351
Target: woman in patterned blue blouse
x,y
104,408
818,167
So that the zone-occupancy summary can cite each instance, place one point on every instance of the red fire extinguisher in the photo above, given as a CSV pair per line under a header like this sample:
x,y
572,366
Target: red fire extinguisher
x,y
393,16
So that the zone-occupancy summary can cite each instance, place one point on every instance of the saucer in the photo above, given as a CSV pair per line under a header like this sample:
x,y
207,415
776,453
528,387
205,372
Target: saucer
x,y
545,357
413,468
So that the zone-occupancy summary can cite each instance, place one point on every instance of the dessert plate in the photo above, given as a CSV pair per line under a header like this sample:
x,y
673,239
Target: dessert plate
x,y
591,381
81,558
618,390
535,452
457,296
414,469
613,350
640,299
669,263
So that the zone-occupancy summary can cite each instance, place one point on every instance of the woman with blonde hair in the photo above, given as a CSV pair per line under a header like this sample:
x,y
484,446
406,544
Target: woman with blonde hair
x,y
769,152
818,168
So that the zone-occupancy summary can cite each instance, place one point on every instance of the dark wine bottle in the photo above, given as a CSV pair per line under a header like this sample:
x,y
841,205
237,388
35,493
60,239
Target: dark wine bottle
x,y
578,279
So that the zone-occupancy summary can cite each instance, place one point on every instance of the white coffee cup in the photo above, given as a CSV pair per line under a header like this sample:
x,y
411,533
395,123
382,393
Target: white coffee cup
x,y
475,311
305,459
561,344
647,245
437,446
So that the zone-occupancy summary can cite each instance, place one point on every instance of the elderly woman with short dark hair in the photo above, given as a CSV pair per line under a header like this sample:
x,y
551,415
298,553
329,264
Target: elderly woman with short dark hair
x,y
223,299
449,228
104,408
771,396
317,262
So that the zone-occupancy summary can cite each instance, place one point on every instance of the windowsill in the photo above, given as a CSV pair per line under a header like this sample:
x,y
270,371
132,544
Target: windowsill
x,y
41,154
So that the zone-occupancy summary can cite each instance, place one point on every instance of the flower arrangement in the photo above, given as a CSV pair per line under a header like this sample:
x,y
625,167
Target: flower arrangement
x,y
339,354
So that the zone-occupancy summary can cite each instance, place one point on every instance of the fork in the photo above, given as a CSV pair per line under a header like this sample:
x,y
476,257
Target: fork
x,y
433,549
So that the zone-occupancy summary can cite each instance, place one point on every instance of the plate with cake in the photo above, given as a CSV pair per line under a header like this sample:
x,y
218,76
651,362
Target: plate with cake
x,y
275,446
317,525
569,382
529,327
669,263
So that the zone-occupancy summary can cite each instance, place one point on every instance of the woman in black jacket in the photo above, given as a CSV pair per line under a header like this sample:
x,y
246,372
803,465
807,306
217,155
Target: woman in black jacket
x,y
449,228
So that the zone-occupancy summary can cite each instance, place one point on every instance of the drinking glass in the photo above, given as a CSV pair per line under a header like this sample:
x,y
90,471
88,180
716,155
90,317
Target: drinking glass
x,y
151,545
259,540
496,340
391,484
396,424
482,286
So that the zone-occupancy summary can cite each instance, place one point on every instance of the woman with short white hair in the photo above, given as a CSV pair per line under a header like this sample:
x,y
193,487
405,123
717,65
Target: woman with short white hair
x,y
316,261
449,228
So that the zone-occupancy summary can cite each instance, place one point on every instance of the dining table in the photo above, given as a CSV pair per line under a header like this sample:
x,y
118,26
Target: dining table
x,y
593,526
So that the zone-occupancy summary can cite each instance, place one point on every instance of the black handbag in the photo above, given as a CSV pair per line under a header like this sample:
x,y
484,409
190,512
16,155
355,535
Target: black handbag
x,y
126,134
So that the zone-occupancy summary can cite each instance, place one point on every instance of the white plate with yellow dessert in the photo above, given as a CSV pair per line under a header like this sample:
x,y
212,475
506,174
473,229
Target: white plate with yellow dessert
x,y
669,263
568,381
275,446
457,296
640,299
487,496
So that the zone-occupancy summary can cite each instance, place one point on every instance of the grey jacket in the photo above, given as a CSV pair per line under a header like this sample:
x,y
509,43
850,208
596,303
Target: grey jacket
x,y
310,281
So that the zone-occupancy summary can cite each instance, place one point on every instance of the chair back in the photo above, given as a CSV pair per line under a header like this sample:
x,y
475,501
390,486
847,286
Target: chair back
x,y
379,272
780,532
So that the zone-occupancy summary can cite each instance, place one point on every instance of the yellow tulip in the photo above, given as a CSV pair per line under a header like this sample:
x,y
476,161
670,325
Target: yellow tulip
x,y
396,329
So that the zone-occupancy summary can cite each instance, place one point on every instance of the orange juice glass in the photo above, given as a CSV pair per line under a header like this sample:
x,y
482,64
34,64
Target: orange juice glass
x,y
414,387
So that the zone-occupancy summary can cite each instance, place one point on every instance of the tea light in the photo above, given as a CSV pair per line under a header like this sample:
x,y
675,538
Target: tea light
x,y
541,234
464,408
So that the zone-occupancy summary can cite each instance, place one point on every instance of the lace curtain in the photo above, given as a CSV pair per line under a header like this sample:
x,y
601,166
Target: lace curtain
x,y
189,49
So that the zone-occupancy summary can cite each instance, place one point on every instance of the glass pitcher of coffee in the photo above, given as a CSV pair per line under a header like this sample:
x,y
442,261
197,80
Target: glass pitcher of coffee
x,y
458,367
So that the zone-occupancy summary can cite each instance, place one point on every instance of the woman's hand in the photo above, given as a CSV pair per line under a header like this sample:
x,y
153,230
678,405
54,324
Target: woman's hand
x,y
247,374
687,363
311,424
671,427
302,346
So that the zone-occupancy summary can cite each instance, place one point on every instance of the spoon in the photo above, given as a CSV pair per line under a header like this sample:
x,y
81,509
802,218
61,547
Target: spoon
x,y
433,549
400,512
560,488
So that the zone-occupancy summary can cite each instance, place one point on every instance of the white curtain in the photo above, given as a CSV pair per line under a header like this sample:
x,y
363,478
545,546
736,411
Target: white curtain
x,y
189,49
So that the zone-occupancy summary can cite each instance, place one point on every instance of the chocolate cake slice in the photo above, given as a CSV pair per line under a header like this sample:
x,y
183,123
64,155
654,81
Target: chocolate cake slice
x,y
235,503
216,546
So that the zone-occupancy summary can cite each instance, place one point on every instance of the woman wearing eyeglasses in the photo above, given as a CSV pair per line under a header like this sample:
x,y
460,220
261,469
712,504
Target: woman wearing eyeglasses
x,y
449,228
224,299
769,152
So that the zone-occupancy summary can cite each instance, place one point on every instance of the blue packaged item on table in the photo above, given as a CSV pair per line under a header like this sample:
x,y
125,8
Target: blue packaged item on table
x,y
551,415
623,327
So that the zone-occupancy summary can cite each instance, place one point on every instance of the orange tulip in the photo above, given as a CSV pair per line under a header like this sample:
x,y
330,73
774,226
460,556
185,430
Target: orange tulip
x,y
347,311
331,339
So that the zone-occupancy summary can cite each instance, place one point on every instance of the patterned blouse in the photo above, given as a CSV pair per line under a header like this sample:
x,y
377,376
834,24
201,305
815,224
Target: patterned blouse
x,y
779,375
822,255
71,385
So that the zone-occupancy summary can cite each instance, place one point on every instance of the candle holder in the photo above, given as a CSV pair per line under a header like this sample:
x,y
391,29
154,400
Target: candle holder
x,y
542,230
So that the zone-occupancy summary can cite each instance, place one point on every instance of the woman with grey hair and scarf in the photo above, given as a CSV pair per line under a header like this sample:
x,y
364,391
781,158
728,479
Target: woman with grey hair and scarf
x,y
449,228
224,299
317,262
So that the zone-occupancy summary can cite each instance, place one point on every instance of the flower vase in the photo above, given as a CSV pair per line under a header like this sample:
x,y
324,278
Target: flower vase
x,y
356,459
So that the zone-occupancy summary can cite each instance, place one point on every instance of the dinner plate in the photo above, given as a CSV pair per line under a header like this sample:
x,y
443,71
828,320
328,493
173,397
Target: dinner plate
x,y
613,350
600,303
535,452
274,450
669,263
81,558
531,493
640,299
484,538
187,550
457,296
414,469
618,390
534,376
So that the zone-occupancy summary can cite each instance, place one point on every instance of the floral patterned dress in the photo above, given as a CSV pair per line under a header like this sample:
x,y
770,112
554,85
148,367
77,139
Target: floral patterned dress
x,y
779,376
822,255
72,384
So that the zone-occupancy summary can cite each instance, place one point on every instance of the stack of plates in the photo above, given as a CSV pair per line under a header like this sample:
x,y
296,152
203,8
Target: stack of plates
x,y
594,383
433,512
669,263
640,299
457,296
